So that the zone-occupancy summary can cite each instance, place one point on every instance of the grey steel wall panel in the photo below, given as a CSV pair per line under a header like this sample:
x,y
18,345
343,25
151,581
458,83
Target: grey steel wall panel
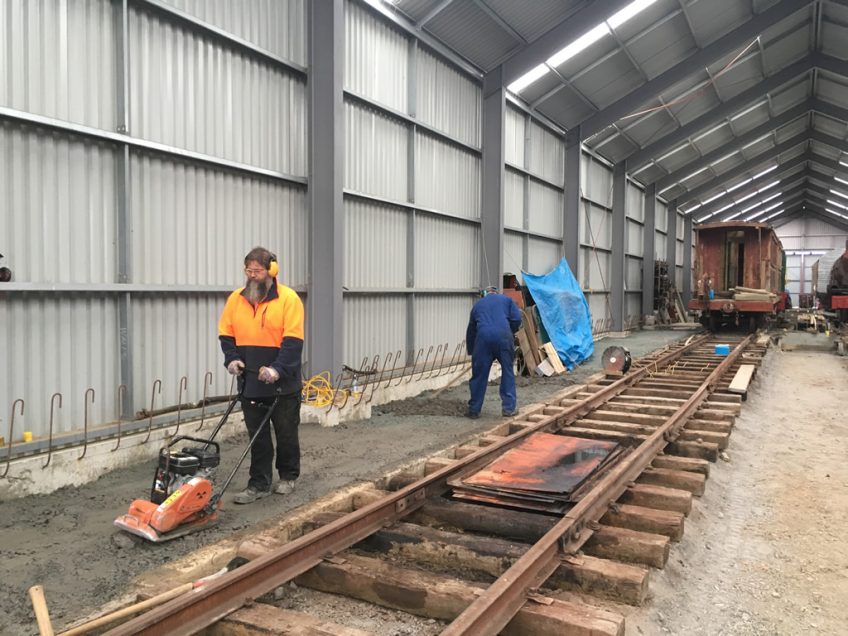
x,y
448,100
660,246
514,199
595,181
193,92
633,274
374,325
175,336
543,255
634,244
678,254
446,253
514,254
193,225
278,26
598,306
514,137
595,225
446,177
662,216
376,153
375,245
597,270
632,306
547,154
58,59
58,206
441,320
634,205
58,344
681,229
545,209
678,277
376,58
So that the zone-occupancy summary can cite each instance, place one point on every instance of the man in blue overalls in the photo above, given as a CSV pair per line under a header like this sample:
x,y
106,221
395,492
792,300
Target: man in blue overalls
x,y
489,337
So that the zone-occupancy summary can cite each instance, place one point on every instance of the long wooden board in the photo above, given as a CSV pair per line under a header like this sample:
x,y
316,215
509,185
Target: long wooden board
x,y
742,379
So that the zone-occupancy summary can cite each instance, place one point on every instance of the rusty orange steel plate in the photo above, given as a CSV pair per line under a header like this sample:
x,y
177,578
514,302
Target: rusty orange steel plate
x,y
543,463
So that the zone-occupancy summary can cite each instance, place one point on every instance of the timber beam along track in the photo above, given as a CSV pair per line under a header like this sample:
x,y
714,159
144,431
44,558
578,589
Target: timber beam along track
x,y
673,414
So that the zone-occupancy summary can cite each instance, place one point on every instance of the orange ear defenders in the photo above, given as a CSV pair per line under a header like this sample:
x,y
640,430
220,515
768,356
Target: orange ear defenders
x,y
273,268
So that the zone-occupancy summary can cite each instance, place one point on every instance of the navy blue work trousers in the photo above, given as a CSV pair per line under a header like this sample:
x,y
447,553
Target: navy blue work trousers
x,y
485,352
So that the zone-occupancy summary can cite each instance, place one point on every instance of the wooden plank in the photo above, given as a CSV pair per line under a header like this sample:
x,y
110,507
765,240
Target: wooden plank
x,y
444,598
742,379
682,463
553,356
529,323
530,356
261,619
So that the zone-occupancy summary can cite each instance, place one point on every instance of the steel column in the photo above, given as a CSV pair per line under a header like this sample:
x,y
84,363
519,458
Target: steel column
x,y
326,171
687,257
619,193
492,215
648,250
525,202
571,199
412,105
123,201
671,242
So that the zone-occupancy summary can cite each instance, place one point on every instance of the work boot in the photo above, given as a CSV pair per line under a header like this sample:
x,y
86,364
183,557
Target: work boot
x,y
511,413
284,487
249,495
472,416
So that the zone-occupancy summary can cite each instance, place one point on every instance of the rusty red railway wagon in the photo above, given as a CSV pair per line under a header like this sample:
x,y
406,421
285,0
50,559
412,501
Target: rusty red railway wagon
x,y
738,275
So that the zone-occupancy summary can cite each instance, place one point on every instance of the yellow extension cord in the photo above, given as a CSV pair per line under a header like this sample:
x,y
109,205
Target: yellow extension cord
x,y
318,391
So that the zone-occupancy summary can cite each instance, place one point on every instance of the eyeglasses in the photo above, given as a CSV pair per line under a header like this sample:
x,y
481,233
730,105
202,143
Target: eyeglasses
x,y
254,272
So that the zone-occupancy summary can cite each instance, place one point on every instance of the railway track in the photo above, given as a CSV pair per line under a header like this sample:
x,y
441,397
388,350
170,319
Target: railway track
x,y
672,412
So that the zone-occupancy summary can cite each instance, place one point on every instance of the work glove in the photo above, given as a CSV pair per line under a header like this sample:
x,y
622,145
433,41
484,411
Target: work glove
x,y
268,375
236,367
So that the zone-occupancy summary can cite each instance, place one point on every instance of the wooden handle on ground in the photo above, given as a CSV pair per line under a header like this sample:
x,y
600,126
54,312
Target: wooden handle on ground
x,y
39,605
126,611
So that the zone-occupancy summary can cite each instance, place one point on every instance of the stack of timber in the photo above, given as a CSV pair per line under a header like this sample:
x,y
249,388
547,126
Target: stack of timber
x,y
539,358
748,293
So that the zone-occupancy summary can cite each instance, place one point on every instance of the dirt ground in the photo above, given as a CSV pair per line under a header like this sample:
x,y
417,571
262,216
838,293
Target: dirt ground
x,y
765,549
63,540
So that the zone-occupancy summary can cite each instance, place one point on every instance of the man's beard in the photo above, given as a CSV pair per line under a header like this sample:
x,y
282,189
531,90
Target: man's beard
x,y
256,291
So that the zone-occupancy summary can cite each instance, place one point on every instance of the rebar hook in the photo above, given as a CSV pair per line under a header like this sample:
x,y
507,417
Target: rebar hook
x,y
85,422
426,360
11,429
415,364
50,436
122,389
374,366
157,384
183,387
207,382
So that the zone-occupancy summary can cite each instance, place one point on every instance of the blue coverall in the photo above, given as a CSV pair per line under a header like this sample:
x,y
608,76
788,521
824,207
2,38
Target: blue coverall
x,y
489,337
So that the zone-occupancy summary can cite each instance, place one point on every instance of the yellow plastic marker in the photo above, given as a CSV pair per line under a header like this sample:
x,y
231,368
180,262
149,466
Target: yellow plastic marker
x,y
27,436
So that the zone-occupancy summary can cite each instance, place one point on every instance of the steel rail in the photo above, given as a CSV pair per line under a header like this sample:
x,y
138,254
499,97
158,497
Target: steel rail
x,y
493,609
192,612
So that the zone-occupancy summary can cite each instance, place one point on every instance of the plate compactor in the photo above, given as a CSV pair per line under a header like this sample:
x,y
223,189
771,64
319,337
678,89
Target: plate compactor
x,y
182,498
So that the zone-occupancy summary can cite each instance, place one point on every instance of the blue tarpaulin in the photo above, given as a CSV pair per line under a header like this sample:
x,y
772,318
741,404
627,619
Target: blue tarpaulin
x,y
564,312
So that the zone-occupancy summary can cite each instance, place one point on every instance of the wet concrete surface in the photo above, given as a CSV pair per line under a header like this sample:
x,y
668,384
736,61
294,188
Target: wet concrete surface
x,y
63,541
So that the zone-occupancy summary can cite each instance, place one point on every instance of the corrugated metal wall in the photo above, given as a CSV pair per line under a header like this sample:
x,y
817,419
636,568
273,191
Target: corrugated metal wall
x,y
413,191
534,186
805,240
216,144
595,234
634,210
